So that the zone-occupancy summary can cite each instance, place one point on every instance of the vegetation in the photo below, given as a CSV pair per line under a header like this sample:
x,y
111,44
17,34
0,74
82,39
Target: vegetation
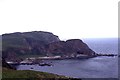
x,y
27,39
27,74
17,45
29,56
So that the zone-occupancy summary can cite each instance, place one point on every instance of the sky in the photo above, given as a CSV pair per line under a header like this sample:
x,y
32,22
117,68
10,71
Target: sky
x,y
69,19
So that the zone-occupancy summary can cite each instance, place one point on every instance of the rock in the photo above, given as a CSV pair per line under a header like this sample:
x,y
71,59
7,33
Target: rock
x,y
6,65
72,46
27,43
40,43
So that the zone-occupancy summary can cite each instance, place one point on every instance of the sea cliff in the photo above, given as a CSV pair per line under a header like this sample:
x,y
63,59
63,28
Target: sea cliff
x,y
39,43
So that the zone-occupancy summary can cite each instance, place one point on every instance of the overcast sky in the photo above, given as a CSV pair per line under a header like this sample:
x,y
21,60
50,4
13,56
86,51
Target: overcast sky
x,y
66,18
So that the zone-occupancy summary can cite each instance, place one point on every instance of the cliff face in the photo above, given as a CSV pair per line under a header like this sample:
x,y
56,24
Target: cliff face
x,y
28,39
6,65
40,43
28,43
73,46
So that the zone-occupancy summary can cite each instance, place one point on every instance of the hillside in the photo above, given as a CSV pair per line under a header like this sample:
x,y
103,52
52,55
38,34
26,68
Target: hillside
x,y
28,74
28,43
70,47
40,43
6,65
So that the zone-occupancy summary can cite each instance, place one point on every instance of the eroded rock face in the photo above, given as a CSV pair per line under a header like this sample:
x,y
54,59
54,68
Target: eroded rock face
x,y
79,46
73,46
28,43
6,65
42,44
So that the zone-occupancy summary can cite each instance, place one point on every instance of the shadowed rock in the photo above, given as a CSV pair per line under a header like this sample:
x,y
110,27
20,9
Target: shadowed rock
x,y
42,44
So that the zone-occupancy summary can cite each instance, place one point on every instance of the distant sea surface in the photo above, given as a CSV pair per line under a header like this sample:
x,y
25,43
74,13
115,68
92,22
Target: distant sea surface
x,y
103,45
98,67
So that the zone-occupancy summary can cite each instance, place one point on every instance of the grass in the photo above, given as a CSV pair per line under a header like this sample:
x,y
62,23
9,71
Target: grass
x,y
8,74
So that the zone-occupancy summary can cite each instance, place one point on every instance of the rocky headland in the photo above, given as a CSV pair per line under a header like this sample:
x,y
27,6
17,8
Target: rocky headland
x,y
40,43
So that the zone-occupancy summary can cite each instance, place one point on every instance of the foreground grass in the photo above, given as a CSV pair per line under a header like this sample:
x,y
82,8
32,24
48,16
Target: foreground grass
x,y
9,74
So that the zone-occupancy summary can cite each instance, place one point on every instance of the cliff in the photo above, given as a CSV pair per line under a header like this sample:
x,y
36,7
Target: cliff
x,y
27,43
70,47
15,45
6,65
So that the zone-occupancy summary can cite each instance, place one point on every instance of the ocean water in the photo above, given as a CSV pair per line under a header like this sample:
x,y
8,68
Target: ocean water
x,y
98,67
103,45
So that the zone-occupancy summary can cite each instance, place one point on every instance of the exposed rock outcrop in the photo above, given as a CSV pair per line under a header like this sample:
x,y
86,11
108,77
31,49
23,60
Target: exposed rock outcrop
x,y
42,44
72,46
27,43
6,65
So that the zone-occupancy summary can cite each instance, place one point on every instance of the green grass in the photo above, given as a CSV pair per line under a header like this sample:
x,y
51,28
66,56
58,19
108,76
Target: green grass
x,y
28,74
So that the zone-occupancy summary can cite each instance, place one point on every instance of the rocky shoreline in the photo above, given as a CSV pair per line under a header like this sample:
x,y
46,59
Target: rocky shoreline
x,y
109,55
40,61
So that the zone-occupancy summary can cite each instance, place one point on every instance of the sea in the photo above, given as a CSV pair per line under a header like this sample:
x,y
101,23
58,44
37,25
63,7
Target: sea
x,y
97,67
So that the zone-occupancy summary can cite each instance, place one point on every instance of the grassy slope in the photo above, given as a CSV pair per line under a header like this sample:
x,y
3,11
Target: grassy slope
x,y
28,74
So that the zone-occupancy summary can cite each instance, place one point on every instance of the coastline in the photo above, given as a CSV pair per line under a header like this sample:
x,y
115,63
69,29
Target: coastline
x,y
33,61
77,68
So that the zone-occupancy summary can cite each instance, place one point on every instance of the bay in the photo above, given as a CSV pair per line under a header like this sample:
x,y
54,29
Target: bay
x,y
98,67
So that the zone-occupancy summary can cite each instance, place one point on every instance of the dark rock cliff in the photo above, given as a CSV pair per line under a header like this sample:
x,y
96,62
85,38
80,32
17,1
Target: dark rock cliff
x,y
6,65
40,43
72,46
28,43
